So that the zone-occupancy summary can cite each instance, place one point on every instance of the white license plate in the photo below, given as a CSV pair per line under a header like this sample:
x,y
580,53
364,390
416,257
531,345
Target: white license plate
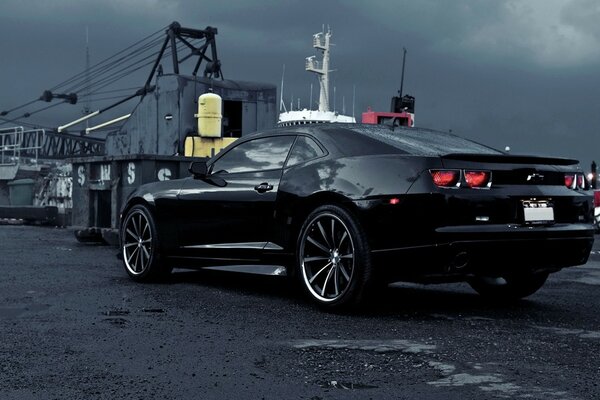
x,y
538,211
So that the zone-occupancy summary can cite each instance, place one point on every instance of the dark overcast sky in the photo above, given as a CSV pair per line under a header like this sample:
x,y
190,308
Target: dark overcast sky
x,y
522,73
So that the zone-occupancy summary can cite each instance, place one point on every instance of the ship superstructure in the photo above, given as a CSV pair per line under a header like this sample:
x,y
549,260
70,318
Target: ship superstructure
x,y
321,42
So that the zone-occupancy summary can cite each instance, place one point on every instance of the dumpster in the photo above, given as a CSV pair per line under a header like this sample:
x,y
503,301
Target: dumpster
x,y
20,192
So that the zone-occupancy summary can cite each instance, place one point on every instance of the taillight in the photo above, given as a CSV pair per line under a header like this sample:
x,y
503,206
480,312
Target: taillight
x,y
445,177
575,181
597,198
477,179
570,181
580,181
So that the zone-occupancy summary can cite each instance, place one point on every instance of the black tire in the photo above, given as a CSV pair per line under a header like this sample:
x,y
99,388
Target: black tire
x,y
333,259
510,287
140,246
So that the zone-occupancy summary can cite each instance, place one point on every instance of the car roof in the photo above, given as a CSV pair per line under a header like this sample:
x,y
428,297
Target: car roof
x,y
367,139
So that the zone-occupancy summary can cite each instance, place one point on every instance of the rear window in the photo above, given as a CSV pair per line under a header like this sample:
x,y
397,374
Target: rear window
x,y
415,141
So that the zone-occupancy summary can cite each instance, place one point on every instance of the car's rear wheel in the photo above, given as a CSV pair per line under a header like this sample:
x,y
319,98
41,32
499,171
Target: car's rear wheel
x,y
509,287
140,245
333,258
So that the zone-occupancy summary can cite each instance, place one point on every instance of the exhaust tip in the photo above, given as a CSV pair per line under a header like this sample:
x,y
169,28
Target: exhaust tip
x,y
460,261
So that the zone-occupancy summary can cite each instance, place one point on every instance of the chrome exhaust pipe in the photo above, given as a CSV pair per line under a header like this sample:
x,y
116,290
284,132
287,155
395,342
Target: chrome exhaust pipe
x,y
460,261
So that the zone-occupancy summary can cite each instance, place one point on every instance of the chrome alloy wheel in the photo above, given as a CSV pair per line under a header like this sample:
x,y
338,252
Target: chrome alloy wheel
x,y
327,257
137,243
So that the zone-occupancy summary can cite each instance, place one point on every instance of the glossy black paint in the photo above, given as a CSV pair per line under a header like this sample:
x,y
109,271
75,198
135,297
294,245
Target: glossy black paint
x,y
432,233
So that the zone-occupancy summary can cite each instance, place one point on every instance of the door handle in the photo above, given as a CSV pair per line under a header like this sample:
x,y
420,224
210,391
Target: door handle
x,y
263,187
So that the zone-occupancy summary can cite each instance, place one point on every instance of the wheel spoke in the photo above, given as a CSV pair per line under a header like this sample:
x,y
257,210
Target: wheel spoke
x,y
146,252
351,255
146,226
317,244
342,239
326,281
310,259
147,240
135,226
335,281
323,233
131,255
141,260
333,233
318,273
138,261
130,244
343,269
131,233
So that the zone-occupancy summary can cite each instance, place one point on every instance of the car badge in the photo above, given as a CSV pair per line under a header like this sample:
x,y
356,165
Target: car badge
x,y
535,177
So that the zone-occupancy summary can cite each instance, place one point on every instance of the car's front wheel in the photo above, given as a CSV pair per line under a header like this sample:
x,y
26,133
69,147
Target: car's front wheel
x,y
333,258
140,245
509,287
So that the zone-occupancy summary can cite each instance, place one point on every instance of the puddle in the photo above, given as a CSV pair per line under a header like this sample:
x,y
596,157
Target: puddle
x,y
378,346
10,313
572,332
117,321
115,313
467,379
345,385
63,248
14,312
445,369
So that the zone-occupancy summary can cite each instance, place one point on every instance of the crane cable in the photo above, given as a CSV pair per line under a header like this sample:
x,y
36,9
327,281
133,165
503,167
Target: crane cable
x,y
69,80
98,65
106,81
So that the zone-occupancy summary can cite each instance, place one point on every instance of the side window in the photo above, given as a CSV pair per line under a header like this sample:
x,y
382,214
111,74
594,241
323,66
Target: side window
x,y
255,155
304,149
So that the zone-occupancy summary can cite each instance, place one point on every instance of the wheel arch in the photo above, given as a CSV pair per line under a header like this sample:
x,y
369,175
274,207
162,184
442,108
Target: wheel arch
x,y
302,209
165,241
134,201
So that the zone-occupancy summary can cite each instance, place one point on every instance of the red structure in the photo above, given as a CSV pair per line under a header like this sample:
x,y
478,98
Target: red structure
x,y
403,118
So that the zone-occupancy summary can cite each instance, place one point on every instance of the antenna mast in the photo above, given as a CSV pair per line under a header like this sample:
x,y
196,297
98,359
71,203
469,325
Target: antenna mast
x,y
87,108
321,41
402,78
281,103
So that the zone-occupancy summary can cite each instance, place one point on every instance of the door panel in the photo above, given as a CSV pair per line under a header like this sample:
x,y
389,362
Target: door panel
x,y
237,216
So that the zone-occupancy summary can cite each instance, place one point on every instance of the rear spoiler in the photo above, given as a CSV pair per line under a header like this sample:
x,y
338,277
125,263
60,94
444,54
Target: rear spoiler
x,y
509,159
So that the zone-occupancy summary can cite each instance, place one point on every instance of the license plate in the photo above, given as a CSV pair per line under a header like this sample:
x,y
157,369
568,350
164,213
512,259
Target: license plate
x,y
538,212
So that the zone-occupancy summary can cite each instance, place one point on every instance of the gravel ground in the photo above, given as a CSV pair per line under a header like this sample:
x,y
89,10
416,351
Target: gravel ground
x,y
73,326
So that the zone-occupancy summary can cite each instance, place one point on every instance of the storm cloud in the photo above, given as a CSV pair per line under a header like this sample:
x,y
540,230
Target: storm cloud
x,y
518,73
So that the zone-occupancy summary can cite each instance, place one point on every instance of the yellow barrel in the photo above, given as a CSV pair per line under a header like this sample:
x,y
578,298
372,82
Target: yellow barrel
x,y
209,115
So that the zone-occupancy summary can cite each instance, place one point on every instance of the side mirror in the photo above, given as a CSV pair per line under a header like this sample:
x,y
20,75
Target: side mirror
x,y
199,169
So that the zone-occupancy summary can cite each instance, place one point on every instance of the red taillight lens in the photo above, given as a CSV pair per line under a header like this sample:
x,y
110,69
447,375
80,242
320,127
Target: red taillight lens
x,y
445,178
477,179
597,198
580,181
570,181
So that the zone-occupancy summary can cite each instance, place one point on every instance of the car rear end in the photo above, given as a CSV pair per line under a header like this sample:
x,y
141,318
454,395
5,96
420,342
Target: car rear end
x,y
490,214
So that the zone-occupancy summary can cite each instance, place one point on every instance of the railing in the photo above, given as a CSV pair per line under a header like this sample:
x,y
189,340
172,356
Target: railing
x,y
16,143
13,146
10,145
55,145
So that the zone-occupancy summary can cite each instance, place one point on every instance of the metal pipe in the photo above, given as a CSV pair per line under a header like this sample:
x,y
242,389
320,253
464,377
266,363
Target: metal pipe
x,y
70,124
402,79
107,123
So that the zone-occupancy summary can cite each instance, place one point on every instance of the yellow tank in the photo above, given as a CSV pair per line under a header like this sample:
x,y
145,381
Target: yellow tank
x,y
209,115
196,146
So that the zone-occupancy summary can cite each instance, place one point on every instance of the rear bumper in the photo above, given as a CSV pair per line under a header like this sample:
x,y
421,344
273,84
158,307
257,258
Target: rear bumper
x,y
463,251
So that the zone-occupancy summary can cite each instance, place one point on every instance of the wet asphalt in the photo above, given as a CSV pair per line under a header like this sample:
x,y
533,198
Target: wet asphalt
x,y
73,326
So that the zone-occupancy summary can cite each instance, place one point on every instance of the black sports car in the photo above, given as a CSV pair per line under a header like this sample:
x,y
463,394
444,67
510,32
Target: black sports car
x,y
346,207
